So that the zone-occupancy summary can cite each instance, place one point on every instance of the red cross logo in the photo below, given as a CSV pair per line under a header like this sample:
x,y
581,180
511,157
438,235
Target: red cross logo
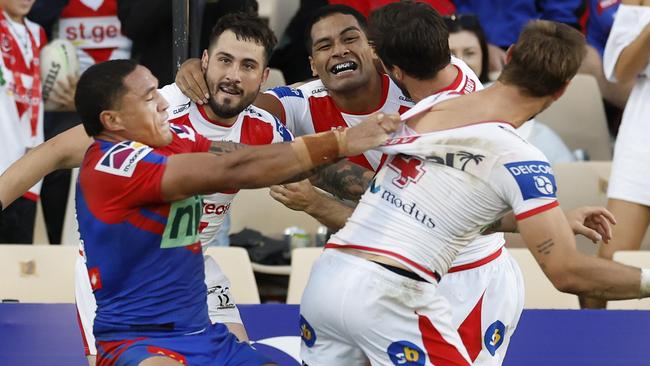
x,y
409,169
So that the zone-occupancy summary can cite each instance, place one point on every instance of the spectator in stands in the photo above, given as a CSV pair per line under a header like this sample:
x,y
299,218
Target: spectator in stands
x,y
21,109
467,42
627,57
504,19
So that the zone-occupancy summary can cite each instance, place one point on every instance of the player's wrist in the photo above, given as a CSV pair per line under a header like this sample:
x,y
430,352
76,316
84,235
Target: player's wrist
x,y
321,148
645,283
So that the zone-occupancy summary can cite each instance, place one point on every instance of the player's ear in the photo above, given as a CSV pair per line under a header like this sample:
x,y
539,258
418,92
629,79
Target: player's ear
x,y
509,53
111,120
265,76
205,57
313,68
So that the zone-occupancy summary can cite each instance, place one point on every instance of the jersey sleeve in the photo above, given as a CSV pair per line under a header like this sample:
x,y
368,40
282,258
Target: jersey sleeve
x,y
526,183
295,107
179,103
280,132
132,174
628,24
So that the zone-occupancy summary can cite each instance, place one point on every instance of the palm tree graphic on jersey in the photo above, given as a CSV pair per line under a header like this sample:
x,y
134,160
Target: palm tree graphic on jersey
x,y
466,157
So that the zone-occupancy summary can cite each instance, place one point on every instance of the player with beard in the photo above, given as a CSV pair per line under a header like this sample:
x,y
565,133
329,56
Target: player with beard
x,y
234,66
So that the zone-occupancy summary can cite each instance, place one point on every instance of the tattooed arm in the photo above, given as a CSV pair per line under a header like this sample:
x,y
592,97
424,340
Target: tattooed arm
x,y
344,179
549,238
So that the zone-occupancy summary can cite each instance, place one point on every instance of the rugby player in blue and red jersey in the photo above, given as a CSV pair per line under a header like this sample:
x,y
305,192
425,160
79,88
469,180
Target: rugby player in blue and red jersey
x,y
139,208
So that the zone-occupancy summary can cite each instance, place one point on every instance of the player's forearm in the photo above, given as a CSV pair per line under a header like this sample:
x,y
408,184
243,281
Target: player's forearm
x,y
602,279
344,179
634,57
63,151
329,212
506,224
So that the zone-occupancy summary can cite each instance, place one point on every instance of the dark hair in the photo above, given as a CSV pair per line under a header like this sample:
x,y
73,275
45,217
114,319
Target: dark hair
x,y
247,27
546,56
469,22
99,89
412,36
327,11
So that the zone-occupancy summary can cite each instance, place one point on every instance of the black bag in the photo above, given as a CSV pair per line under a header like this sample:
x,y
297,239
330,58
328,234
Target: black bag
x,y
262,249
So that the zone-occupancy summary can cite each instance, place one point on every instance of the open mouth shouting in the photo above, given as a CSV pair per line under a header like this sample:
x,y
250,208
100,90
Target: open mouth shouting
x,y
344,68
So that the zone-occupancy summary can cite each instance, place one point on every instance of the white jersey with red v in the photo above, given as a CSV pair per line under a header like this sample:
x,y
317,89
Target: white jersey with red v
x,y
254,126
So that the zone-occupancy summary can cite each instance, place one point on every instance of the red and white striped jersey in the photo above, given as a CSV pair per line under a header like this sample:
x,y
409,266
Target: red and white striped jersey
x,y
437,191
93,27
254,126
309,109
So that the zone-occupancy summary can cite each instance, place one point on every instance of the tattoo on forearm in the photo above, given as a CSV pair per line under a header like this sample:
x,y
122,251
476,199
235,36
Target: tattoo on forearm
x,y
224,147
345,180
545,247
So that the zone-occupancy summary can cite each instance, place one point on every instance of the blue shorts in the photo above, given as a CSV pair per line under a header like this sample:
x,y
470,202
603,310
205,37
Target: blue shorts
x,y
215,346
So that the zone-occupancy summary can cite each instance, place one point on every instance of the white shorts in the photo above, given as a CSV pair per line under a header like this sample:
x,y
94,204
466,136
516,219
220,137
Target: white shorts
x,y
221,304
486,302
354,311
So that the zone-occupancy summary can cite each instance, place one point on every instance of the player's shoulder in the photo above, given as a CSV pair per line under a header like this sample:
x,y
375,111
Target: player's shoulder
x,y
314,88
179,103
262,127
122,158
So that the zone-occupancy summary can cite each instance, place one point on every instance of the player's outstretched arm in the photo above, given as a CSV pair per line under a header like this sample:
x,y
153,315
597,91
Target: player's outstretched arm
x,y
63,151
549,238
261,166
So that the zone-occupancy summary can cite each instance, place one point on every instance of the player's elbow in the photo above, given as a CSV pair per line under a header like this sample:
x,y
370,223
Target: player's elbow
x,y
566,279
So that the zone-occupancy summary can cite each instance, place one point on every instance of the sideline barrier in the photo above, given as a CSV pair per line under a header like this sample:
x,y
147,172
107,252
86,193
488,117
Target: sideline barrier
x,y
47,334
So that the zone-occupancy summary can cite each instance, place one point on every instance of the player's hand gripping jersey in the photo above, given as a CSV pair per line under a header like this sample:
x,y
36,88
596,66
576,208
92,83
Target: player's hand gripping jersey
x,y
143,255
438,190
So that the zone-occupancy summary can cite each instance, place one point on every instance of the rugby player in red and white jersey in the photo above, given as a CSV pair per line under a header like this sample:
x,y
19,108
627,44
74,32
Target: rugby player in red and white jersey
x,y
461,169
234,67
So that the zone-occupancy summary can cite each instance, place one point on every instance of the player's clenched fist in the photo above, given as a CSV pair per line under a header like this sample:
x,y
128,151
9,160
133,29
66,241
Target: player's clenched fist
x,y
372,132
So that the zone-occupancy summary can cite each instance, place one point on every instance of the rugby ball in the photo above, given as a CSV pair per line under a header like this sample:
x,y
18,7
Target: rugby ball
x,y
58,60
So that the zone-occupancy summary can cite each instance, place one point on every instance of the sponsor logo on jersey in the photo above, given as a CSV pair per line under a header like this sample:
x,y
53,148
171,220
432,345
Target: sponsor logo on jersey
x,y
408,168
319,90
493,337
183,132
470,86
400,140
213,209
122,158
282,130
307,332
285,91
463,157
405,99
409,208
405,353
535,178
220,294
183,221
182,108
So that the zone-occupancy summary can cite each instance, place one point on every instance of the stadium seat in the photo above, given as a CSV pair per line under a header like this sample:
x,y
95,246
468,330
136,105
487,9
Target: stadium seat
x,y
276,78
236,265
540,293
37,273
638,259
579,118
255,209
278,13
302,259
70,233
